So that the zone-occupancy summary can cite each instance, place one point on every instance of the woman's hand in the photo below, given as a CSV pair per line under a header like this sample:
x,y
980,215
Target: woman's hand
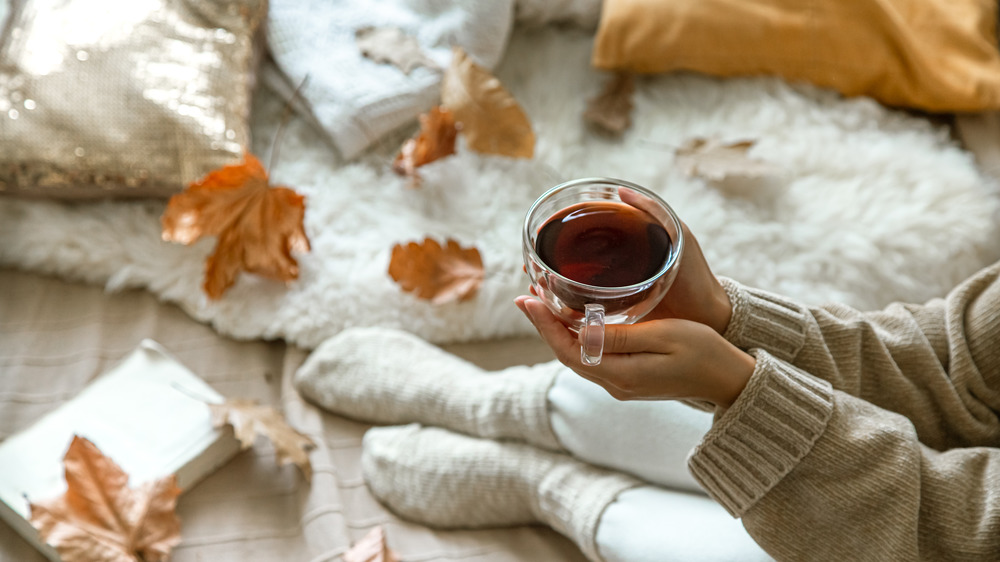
x,y
695,294
668,358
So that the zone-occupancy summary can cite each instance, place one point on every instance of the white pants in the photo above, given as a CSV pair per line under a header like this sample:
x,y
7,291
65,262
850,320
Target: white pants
x,y
651,440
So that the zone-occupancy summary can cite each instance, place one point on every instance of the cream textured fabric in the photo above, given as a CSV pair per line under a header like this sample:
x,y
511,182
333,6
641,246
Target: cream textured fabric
x,y
389,377
357,100
451,480
889,448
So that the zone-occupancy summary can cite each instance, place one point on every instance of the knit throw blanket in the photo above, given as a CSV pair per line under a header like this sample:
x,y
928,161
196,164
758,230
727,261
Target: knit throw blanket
x,y
868,205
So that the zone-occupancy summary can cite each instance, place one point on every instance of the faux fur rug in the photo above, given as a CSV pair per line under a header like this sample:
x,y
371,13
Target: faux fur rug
x,y
871,206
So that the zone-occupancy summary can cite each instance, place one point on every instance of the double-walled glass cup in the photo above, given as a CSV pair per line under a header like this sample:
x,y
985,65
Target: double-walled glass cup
x,y
586,308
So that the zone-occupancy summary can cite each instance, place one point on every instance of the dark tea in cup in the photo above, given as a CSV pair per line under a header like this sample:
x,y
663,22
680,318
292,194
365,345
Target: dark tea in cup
x,y
604,243
600,250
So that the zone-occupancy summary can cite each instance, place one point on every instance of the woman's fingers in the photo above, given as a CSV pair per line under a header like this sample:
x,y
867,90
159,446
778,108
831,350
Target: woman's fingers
x,y
640,201
552,331
637,338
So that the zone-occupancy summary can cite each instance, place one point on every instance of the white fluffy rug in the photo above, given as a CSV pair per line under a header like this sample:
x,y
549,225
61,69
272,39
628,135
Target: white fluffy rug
x,y
872,206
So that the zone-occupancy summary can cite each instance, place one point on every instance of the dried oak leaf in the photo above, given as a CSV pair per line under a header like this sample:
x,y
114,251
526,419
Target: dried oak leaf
x,y
394,46
437,273
258,226
100,518
611,111
491,120
435,140
716,160
371,548
249,419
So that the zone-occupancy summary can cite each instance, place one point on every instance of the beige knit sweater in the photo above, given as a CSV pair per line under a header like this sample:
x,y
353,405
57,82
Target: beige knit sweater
x,y
864,436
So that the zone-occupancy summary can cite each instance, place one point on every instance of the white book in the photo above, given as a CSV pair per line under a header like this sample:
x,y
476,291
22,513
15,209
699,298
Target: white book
x,y
149,414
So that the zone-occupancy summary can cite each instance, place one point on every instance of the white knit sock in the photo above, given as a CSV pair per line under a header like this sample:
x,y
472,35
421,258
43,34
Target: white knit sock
x,y
449,480
386,376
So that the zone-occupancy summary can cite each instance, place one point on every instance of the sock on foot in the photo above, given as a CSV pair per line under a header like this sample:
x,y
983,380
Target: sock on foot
x,y
449,480
385,376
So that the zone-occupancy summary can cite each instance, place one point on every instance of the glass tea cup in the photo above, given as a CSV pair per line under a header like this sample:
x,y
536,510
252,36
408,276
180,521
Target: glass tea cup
x,y
600,251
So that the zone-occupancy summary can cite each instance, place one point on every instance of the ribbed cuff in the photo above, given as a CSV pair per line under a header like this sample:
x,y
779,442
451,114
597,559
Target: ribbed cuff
x,y
536,427
764,320
762,437
979,298
572,498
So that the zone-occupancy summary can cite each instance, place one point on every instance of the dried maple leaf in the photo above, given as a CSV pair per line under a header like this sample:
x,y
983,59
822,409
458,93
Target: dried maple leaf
x,y
100,518
716,160
250,419
491,120
435,140
611,111
258,226
437,273
371,548
392,45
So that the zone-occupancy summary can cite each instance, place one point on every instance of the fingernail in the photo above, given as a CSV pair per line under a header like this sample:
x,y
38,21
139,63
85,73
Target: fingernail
x,y
527,310
519,303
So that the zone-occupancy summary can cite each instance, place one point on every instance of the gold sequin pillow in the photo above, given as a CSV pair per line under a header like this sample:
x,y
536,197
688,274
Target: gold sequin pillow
x,y
138,98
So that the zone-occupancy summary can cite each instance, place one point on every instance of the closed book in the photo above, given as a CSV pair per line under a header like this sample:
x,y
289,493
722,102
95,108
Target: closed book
x,y
149,414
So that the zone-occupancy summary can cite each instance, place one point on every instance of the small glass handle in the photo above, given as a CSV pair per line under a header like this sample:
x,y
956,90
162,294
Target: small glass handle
x,y
592,335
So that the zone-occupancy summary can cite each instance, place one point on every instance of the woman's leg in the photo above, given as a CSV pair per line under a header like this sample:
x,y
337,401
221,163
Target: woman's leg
x,y
650,524
449,480
391,377
650,440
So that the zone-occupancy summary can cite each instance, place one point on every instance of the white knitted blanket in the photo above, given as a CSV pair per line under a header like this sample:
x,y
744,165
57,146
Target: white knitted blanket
x,y
871,206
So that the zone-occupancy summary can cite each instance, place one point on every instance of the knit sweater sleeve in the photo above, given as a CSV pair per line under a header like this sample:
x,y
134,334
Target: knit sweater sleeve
x,y
817,474
937,364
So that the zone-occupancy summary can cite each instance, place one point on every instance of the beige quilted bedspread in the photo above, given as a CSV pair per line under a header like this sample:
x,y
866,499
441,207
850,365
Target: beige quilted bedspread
x,y
56,336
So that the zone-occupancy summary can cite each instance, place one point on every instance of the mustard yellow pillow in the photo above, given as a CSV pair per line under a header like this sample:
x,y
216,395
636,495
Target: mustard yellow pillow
x,y
934,55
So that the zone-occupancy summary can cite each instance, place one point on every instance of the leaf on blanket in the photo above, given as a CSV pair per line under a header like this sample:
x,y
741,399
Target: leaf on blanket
x,y
371,548
716,160
250,419
437,273
435,140
394,46
258,226
490,118
100,518
611,111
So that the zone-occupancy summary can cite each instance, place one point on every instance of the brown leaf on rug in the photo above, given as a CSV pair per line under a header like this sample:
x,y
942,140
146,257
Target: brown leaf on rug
x,y
716,160
258,226
100,518
435,140
611,111
249,419
490,118
393,46
437,273
371,548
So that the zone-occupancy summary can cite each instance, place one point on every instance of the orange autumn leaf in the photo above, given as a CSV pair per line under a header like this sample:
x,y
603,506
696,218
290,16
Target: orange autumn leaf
x,y
257,226
435,140
100,518
437,273
491,120
371,548
249,419
611,111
